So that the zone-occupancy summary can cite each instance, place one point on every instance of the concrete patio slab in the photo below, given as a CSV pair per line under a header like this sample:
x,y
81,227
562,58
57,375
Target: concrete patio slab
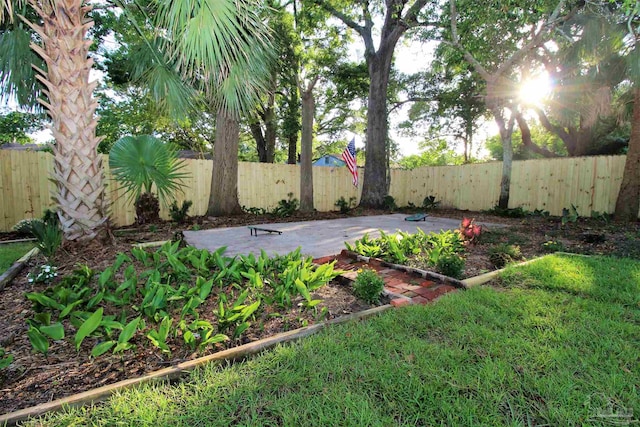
x,y
316,238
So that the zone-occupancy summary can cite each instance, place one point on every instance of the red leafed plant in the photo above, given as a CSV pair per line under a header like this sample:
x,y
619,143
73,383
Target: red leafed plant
x,y
469,230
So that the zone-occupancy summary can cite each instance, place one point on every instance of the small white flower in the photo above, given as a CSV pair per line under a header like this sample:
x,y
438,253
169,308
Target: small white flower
x,y
30,280
47,269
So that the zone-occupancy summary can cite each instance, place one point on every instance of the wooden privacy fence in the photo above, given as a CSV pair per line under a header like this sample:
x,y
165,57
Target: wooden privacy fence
x,y
590,183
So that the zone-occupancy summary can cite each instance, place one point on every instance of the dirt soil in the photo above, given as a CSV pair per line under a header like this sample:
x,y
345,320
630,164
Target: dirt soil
x,y
33,378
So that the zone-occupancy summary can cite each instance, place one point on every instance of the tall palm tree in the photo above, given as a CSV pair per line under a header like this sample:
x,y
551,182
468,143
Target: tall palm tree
x,y
62,27
68,99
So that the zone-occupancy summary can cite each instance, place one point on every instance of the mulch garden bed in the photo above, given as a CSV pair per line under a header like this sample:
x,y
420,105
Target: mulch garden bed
x,y
33,378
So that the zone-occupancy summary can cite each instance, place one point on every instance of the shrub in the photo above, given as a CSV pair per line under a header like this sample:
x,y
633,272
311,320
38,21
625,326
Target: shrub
x,y
451,265
569,215
254,210
49,237
502,254
518,212
345,206
368,286
389,203
286,207
430,203
180,214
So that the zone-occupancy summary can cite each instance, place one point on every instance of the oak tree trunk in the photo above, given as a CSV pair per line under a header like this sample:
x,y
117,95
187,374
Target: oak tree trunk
x,y
77,165
306,166
375,187
628,202
223,199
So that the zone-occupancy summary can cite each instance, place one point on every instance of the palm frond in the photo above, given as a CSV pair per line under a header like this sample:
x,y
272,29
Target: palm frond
x,y
17,76
230,57
7,9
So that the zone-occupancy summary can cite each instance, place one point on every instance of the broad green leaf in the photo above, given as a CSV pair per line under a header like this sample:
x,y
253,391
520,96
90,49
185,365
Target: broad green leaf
x,y
302,288
44,300
55,331
128,331
102,348
38,341
68,309
87,328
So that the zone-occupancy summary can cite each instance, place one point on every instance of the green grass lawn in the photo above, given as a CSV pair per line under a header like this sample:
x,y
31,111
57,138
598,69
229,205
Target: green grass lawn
x,y
11,252
558,343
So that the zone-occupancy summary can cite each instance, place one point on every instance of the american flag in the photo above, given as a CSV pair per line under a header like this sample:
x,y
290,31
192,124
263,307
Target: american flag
x,y
349,156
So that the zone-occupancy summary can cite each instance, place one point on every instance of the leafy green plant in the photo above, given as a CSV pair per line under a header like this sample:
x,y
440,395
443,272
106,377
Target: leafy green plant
x,y
601,216
141,162
235,315
569,215
344,205
368,286
122,343
45,274
5,359
430,203
286,207
503,254
443,243
254,210
38,341
451,265
88,327
179,214
48,236
158,337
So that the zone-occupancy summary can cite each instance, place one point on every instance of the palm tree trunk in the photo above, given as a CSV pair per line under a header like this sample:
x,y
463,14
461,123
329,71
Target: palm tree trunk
x,y
78,166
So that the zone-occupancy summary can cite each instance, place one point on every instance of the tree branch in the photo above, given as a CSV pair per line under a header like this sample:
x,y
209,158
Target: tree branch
x,y
399,104
341,16
536,39
557,130
455,39
528,142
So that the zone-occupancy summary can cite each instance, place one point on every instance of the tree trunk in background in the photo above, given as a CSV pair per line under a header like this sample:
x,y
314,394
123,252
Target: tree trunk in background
x,y
628,202
77,165
306,152
506,131
266,142
223,199
292,154
374,187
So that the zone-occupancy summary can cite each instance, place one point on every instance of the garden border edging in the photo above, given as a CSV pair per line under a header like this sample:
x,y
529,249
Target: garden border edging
x,y
178,370
17,266
487,277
